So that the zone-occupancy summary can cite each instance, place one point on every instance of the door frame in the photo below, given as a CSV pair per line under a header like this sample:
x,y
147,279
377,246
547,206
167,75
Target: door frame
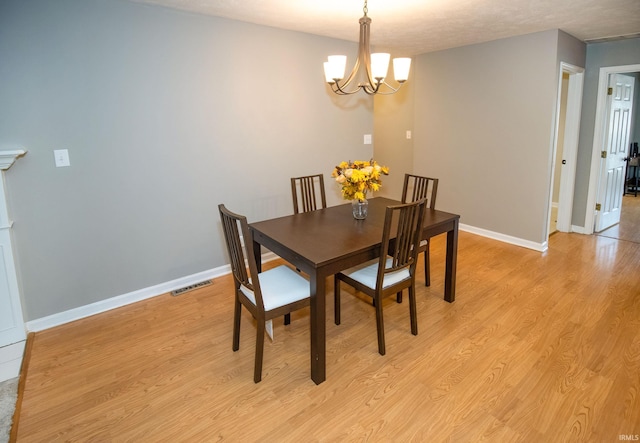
x,y
599,134
569,143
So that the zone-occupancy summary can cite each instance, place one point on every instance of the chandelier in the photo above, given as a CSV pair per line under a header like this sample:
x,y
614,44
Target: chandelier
x,y
375,67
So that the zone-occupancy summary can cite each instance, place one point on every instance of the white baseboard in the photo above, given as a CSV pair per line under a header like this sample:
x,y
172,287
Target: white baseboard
x,y
81,312
540,247
11,360
60,318
580,230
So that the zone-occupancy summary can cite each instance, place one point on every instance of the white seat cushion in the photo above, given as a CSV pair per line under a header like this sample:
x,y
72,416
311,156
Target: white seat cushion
x,y
280,286
367,273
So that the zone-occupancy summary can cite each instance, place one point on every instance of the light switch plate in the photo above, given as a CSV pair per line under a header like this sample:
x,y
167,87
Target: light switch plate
x,y
62,157
367,139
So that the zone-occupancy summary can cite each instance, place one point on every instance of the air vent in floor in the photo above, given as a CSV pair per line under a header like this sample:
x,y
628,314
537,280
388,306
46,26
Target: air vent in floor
x,y
191,287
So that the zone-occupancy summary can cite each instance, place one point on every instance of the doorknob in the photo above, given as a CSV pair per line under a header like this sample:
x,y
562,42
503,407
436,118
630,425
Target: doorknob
x,y
564,162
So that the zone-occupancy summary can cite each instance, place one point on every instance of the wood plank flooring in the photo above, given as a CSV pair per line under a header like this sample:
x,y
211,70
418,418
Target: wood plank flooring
x,y
629,227
536,348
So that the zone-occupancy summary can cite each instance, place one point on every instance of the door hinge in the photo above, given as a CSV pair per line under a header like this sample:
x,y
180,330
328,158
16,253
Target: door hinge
x,y
610,91
603,154
598,207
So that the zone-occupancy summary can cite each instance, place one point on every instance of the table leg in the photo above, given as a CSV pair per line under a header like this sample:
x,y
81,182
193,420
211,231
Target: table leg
x,y
452,260
318,333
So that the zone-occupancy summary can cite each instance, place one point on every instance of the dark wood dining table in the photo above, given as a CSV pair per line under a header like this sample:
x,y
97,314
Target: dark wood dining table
x,y
324,242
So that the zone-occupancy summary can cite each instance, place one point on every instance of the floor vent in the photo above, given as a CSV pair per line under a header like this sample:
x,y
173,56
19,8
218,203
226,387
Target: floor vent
x,y
191,287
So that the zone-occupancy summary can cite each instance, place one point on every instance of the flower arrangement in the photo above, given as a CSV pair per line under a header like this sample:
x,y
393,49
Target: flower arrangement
x,y
359,177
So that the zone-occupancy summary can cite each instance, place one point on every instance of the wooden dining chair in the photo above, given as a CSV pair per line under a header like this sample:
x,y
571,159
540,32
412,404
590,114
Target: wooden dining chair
x,y
306,191
416,188
394,270
266,295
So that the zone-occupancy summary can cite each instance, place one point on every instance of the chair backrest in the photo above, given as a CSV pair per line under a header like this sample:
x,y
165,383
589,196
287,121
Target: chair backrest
x,y
417,187
403,247
235,226
306,191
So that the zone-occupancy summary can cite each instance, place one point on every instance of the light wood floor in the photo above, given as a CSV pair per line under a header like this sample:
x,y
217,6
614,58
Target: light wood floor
x,y
629,227
536,348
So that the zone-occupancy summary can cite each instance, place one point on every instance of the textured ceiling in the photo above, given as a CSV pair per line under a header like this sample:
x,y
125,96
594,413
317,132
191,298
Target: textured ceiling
x,y
418,26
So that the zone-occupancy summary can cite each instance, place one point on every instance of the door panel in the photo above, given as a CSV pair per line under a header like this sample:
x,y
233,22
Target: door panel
x,y
613,166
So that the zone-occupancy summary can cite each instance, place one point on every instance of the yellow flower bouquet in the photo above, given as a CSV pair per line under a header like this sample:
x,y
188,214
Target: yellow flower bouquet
x,y
359,177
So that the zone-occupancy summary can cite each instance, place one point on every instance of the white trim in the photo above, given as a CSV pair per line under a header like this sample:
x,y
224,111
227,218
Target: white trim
x,y
81,312
598,137
540,247
11,360
7,158
580,230
570,145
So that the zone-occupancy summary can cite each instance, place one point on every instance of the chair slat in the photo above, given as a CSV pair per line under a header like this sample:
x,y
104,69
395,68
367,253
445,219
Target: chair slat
x,y
415,188
305,192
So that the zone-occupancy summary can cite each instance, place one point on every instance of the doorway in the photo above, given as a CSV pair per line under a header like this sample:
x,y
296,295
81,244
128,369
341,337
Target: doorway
x,y
565,149
599,137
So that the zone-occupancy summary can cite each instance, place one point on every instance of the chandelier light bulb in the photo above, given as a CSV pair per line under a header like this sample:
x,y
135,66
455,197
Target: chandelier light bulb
x,y
401,67
380,65
334,68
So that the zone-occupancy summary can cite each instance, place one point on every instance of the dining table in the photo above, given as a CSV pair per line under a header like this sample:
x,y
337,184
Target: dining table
x,y
326,241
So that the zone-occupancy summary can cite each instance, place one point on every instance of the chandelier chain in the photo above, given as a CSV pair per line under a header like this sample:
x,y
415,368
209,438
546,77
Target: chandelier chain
x,y
365,9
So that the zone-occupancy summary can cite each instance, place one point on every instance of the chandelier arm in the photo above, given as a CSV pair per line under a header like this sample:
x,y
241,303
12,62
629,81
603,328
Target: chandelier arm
x,y
335,87
364,57
393,90
364,52
347,82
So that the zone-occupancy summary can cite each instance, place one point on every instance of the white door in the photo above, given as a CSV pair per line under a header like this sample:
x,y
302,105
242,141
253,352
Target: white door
x,y
569,107
616,144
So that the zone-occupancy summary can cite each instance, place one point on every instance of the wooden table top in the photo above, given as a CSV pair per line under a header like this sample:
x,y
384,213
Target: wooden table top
x,y
321,236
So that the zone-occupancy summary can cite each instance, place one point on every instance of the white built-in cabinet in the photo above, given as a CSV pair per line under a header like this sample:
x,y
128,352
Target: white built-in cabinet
x,y
12,330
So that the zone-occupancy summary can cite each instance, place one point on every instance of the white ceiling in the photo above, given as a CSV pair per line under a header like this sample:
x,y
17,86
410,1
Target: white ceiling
x,y
418,26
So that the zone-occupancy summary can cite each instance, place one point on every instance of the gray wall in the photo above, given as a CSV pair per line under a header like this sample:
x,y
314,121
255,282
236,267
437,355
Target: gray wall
x,y
616,53
393,117
165,115
484,122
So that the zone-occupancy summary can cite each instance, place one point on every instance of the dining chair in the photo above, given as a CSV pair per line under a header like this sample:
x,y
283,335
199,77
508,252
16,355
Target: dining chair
x,y
394,270
266,295
306,191
415,188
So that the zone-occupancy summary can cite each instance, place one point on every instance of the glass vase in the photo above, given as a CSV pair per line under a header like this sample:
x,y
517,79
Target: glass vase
x,y
360,208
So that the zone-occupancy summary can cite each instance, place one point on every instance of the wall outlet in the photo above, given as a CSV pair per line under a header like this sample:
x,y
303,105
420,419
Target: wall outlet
x,y
61,157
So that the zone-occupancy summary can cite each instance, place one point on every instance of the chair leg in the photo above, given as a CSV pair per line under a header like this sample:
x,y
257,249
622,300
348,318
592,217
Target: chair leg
x,y
236,324
287,319
336,300
380,325
257,372
413,311
427,266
